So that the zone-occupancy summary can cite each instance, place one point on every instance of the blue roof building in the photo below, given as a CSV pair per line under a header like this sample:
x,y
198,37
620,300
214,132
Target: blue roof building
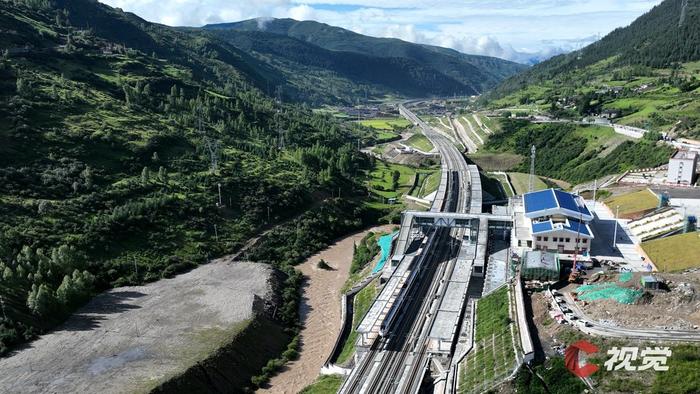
x,y
570,225
558,221
551,202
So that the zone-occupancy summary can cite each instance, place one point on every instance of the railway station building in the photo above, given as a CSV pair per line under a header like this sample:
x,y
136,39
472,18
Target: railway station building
x,y
557,221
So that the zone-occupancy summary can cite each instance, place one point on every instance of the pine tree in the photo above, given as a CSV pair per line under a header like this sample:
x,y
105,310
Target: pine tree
x,y
87,177
145,175
162,175
7,274
21,86
43,301
66,291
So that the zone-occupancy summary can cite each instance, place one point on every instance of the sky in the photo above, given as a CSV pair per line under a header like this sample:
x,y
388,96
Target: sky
x,y
525,31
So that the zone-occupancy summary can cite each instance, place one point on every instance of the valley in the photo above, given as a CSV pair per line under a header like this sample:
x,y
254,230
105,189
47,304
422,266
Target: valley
x,y
278,206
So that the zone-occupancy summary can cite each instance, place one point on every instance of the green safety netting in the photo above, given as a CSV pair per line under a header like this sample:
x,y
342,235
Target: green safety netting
x,y
609,291
625,277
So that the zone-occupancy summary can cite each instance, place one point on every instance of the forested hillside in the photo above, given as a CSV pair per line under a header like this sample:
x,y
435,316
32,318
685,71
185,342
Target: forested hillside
x,y
574,153
363,63
116,136
346,76
644,75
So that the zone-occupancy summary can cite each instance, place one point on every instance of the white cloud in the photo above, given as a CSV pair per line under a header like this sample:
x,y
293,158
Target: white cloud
x,y
519,30
302,13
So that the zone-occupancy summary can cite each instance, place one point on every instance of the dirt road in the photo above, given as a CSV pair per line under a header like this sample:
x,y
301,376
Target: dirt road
x,y
320,313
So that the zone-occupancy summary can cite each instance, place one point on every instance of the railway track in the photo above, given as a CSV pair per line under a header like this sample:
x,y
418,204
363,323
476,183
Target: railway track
x,y
397,362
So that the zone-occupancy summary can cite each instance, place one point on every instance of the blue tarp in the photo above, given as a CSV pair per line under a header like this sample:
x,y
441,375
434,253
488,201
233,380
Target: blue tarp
x,y
384,243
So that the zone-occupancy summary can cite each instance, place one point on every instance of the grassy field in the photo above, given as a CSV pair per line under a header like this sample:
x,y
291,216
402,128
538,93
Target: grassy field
x,y
496,161
521,182
600,136
491,123
325,384
331,111
674,253
420,142
633,202
427,182
362,303
493,356
386,123
504,182
381,179
430,184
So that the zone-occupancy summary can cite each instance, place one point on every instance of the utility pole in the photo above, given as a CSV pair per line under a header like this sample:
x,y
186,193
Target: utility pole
x,y
531,182
617,211
220,202
595,190
2,305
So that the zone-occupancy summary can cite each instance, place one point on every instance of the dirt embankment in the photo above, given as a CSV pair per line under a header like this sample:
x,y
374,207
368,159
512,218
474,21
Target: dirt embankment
x,y
202,331
676,306
320,313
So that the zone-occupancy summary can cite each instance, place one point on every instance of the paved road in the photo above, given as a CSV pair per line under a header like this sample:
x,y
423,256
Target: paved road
x,y
605,330
627,248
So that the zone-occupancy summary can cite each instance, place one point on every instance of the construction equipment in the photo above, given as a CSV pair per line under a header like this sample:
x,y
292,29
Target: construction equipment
x,y
574,276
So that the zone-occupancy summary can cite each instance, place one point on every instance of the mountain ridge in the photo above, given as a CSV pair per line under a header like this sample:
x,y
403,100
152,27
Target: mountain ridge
x,y
470,74
645,75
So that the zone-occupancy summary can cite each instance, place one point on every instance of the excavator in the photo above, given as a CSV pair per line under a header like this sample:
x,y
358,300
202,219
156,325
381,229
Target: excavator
x,y
574,276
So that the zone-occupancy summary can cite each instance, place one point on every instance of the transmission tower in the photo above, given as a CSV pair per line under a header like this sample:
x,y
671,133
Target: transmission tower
x,y
684,6
212,146
531,181
280,131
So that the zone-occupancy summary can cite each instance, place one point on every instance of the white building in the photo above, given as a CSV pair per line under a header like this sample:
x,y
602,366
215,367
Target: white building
x,y
558,221
681,168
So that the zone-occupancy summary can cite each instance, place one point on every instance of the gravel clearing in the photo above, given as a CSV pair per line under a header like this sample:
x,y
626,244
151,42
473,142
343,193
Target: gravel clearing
x,y
129,339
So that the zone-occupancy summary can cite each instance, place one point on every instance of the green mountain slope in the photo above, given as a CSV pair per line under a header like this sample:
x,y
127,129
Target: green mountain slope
x,y
646,74
316,75
109,127
446,70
